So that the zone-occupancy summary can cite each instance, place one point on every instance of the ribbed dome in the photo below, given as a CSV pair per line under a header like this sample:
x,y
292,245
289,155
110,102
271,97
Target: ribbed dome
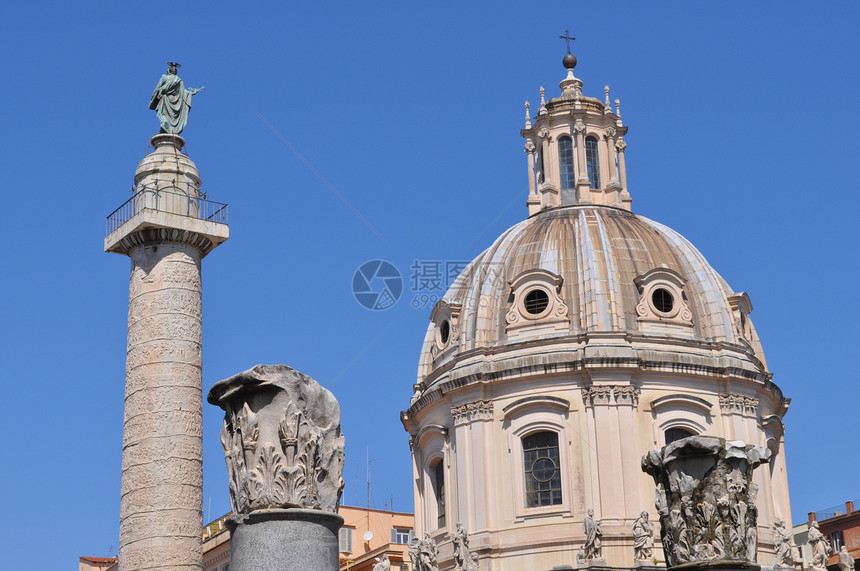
x,y
598,252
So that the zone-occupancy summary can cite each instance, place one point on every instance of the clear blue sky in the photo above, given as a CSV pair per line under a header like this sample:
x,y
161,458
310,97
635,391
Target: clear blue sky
x,y
743,121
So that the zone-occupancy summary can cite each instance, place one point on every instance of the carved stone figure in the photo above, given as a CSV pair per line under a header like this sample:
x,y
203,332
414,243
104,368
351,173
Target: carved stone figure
x,y
382,564
821,549
472,564
426,555
705,498
414,556
282,440
643,538
591,550
846,562
783,545
172,101
460,539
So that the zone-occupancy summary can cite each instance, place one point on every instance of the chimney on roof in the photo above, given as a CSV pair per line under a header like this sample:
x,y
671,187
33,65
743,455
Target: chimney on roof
x,y
811,517
849,507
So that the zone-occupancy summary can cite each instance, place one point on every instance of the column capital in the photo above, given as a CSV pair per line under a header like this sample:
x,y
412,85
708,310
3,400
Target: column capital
x,y
471,411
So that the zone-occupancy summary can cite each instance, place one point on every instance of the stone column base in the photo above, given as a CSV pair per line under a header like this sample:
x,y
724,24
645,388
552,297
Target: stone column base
x,y
278,539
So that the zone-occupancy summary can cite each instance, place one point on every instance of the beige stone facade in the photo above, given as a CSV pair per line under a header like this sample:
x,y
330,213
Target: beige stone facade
x,y
582,338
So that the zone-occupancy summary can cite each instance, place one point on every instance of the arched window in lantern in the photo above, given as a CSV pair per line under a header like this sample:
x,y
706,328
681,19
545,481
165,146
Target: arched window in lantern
x,y
593,160
565,161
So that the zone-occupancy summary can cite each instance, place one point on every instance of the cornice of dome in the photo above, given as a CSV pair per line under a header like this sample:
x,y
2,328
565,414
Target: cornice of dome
x,y
717,362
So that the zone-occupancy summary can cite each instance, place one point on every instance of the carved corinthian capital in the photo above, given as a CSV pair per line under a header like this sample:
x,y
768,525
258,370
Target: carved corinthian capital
x,y
706,498
738,404
282,440
611,394
475,410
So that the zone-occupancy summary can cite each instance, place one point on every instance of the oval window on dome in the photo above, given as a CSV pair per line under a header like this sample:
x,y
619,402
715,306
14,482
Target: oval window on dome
x,y
444,331
663,300
536,301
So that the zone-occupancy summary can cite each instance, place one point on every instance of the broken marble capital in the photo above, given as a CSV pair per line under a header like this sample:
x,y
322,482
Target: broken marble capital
x,y
706,498
282,440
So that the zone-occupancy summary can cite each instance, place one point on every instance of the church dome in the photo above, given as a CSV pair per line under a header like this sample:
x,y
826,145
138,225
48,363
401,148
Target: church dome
x,y
591,271
583,337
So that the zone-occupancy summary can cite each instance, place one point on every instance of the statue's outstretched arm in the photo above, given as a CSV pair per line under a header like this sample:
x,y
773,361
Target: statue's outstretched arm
x,y
197,89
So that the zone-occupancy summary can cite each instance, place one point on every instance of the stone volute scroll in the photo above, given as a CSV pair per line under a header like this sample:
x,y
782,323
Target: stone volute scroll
x,y
706,501
285,452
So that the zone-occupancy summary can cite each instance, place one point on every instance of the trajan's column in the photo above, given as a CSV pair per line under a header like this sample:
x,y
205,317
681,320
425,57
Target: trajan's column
x,y
166,229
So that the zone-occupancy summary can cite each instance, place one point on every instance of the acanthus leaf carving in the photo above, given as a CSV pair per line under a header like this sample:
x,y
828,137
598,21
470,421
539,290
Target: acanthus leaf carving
x,y
268,479
302,467
706,498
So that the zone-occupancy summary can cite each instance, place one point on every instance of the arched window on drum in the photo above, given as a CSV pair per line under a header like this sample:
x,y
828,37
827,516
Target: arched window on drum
x,y
673,434
437,475
542,469
593,160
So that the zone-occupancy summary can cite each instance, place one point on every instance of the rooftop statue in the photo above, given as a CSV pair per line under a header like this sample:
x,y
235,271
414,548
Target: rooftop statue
x,y
464,559
643,538
593,533
172,101
821,549
382,564
846,561
423,554
784,556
